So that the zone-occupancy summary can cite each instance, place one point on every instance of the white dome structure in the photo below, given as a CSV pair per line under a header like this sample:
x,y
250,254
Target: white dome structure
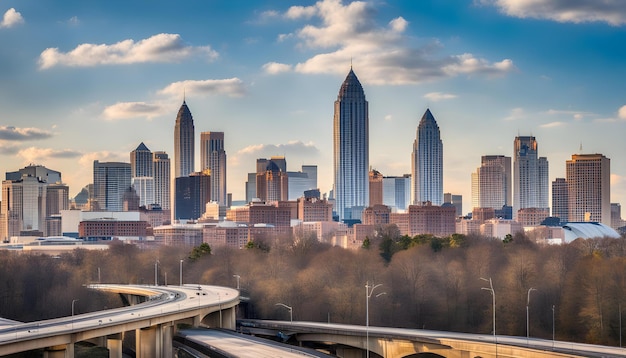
x,y
587,230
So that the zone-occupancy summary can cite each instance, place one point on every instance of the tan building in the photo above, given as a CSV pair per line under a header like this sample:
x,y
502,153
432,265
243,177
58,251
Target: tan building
x,y
401,220
376,187
432,219
261,213
588,178
532,216
314,209
376,215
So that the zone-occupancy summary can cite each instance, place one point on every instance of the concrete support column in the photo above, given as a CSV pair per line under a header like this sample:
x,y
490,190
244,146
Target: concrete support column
x,y
229,319
148,342
114,345
62,351
167,336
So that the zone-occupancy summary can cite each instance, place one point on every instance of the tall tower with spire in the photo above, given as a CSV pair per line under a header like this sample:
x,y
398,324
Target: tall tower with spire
x,y
184,143
351,149
427,162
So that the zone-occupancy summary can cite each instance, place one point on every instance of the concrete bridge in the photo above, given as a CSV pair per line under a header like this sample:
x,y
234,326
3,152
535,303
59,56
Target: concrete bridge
x,y
154,314
349,341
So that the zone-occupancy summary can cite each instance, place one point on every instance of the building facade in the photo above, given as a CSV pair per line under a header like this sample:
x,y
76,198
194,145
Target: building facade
x,y
588,178
213,157
184,143
560,200
272,182
530,175
351,149
427,162
192,194
110,182
141,162
491,183
162,183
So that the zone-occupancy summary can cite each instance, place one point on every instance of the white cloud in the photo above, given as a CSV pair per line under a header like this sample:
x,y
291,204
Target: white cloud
x,y
124,110
275,68
233,87
553,125
388,118
612,12
11,18
39,155
297,12
516,114
622,112
21,134
577,115
439,96
158,48
380,54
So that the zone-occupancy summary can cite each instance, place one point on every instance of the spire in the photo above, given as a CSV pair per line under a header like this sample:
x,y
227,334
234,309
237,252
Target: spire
x,y
142,147
351,87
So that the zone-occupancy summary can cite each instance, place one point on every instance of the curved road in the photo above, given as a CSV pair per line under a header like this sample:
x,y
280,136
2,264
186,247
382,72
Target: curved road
x,y
161,300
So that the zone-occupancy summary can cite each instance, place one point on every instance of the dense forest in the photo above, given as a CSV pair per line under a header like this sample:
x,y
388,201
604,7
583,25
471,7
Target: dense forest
x,y
428,282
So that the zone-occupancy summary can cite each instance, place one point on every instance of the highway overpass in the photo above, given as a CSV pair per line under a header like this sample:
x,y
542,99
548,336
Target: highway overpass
x,y
153,316
349,341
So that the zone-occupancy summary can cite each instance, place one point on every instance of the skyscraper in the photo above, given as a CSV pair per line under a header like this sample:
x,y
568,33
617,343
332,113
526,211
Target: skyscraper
x,y
530,175
141,162
213,157
161,168
184,143
427,162
351,149
560,200
141,171
491,183
110,181
272,182
588,178
193,192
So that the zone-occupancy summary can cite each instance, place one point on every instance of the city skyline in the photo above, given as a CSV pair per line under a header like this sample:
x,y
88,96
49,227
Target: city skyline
x,y
84,83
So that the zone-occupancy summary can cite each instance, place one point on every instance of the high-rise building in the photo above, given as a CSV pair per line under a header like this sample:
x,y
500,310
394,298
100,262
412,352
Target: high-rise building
x,y
560,200
301,181
36,171
141,172
376,187
427,162
162,184
110,181
141,162
588,179
397,192
351,149
193,192
30,197
455,200
272,183
213,157
491,183
530,175
23,206
184,143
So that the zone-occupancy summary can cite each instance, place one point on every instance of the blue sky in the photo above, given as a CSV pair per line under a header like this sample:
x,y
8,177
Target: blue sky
x,y
91,80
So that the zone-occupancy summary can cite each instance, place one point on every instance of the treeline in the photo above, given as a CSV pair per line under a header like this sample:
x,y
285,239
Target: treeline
x,y
428,282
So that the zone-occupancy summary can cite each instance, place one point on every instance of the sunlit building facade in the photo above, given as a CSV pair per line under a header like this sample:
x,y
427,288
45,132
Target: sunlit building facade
x,y
427,162
351,149
184,142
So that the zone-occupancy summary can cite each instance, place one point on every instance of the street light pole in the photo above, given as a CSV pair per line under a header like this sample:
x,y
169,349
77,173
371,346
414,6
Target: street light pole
x,y
290,310
237,277
368,294
552,326
528,304
73,301
493,295
181,273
